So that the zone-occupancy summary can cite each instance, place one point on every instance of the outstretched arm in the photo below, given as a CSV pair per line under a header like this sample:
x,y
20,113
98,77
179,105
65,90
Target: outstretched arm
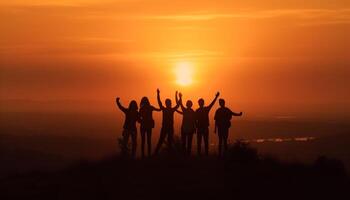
x,y
122,108
156,109
213,102
159,101
237,114
180,112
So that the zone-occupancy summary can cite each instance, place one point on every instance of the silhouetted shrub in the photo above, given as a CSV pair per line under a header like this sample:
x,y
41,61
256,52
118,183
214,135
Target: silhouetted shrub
x,y
329,166
174,150
241,152
124,148
248,176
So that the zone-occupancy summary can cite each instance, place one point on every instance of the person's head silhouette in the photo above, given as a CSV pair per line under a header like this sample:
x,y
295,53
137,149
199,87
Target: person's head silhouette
x,y
222,103
201,103
168,103
144,102
133,105
189,104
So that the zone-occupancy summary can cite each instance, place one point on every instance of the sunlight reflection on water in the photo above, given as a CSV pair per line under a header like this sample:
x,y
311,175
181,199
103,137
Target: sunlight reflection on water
x,y
273,140
296,139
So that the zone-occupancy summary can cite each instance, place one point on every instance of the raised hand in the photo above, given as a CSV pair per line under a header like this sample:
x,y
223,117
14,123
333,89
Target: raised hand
x,y
180,95
158,99
237,114
122,108
214,100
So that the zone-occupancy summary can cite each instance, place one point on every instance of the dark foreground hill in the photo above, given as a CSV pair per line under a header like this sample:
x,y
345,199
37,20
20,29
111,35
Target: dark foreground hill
x,y
242,174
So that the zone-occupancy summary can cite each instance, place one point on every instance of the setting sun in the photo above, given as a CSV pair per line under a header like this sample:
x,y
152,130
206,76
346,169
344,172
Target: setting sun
x,y
184,73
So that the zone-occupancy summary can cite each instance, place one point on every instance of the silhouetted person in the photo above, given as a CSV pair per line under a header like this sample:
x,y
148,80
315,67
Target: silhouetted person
x,y
188,127
223,117
131,117
147,124
202,123
167,122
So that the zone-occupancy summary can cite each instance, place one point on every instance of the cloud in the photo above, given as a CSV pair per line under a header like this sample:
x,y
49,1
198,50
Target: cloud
x,y
132,10
49,2
328,15
302,16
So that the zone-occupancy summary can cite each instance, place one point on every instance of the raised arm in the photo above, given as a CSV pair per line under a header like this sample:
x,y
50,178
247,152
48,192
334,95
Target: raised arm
x,y
176,98
214,100
159,101
177,101
122,108
156,109
180,102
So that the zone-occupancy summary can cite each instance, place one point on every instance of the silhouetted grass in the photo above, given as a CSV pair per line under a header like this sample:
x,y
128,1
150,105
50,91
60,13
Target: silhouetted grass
x,y
241,174
124,148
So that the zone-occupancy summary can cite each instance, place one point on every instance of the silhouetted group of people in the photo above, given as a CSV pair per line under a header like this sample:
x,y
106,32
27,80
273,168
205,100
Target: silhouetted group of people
x,y
192,122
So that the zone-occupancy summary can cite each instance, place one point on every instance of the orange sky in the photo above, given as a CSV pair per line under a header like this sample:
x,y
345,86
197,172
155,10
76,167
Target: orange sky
x,y
279,57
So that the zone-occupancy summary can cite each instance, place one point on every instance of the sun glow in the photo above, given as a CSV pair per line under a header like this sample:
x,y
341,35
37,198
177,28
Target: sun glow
x,y
184,73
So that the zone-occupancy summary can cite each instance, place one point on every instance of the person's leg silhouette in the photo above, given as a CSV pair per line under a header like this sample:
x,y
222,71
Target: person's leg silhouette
x,y
206,141
143,140
199,143
189,143
220,143
126,135
225,138
170,138
149,141
161,140
134,143
183,141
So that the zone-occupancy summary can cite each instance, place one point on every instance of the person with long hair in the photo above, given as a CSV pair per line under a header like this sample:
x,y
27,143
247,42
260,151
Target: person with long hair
x,y
147,124
129,127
